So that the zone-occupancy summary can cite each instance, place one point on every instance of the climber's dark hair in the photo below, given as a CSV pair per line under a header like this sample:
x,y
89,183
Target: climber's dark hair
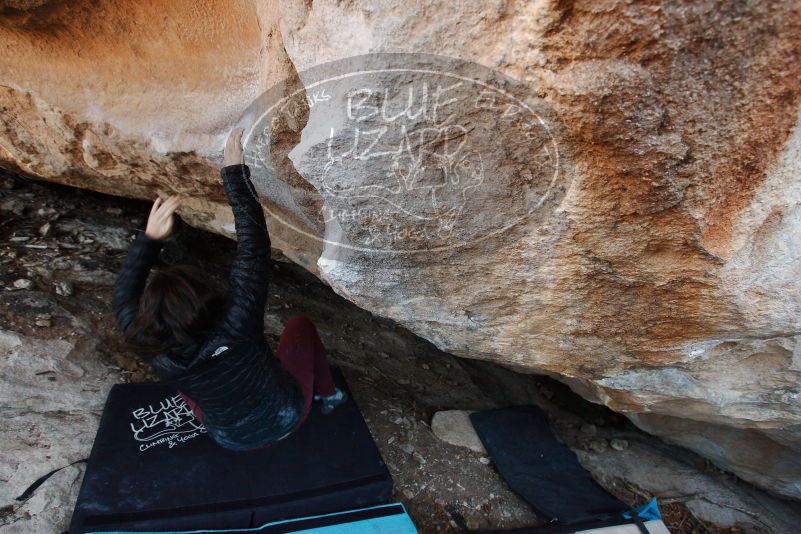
x,y
177,308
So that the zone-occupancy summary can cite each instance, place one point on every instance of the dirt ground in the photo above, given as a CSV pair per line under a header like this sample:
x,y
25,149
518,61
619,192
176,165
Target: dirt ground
x,y
60,249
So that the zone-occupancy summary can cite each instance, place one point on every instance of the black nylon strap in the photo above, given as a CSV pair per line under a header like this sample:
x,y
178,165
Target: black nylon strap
x,y
42,479
640,523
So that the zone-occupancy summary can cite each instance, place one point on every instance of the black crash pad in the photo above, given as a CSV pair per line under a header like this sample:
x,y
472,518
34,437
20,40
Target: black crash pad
x,y
540,468
153,467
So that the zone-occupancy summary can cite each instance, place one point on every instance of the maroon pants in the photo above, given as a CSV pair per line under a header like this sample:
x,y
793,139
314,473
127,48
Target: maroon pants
x,y
302,354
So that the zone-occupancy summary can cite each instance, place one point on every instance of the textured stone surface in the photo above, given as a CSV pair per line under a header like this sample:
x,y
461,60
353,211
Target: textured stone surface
x,y
663,282
454,427
52,393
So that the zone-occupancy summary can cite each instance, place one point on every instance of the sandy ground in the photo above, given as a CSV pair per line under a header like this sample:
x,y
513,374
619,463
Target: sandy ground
x,y
67,244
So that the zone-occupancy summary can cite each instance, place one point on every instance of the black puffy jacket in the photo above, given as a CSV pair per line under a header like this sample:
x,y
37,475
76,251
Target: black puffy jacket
x,y
247,398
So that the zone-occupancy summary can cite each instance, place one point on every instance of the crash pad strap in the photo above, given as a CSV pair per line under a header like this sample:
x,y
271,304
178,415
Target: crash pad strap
x,y
42,479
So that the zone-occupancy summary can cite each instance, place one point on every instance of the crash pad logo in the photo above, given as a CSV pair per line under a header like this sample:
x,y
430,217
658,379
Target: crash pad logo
x,y
403,153
168,423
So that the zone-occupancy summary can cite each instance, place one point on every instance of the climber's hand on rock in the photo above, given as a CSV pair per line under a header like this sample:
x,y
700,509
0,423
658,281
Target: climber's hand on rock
x,y
159,223
232,155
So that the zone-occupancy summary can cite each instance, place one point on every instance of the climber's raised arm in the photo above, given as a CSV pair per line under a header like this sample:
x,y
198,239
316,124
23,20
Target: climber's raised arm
x,y
249,277
141,256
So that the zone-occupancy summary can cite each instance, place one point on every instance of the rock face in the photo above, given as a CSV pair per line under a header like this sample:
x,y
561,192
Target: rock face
x,y
51,404
455,427
656,273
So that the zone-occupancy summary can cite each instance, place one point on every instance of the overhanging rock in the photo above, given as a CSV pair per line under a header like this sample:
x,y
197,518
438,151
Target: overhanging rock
x,y
660,277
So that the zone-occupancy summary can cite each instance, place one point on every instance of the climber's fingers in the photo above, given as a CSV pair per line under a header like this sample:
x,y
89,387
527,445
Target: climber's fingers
x,y
160,222
161,204
236,136
232,155
155,206
167,208
170,205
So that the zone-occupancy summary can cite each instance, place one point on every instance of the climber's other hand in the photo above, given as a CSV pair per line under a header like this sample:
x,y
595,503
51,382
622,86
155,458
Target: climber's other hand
x,y
160,221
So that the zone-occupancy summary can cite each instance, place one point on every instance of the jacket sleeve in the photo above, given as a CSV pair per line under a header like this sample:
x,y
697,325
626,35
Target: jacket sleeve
x,y
131,281
249,277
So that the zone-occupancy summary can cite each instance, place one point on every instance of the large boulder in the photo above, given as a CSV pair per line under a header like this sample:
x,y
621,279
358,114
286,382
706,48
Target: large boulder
x,y
654,268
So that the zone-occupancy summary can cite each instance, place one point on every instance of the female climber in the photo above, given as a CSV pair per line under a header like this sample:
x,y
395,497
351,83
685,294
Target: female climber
x,y
212,348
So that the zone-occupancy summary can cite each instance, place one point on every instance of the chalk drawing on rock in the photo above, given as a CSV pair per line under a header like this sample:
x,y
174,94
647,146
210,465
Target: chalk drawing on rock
x,y
407,151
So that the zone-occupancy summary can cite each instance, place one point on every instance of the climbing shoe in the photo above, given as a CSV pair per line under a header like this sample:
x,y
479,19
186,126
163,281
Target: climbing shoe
x,y
330,402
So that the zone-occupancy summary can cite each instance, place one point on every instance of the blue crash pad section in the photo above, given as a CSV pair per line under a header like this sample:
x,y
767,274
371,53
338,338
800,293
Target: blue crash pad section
x,y
385,519
154,468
